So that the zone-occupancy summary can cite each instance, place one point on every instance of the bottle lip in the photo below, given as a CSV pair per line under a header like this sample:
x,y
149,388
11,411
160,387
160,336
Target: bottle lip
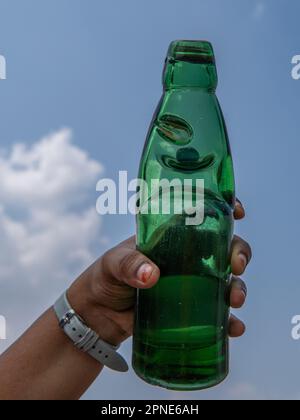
x,y
192,51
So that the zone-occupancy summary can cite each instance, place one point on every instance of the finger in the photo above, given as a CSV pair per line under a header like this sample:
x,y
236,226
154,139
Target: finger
x,y
130,266
238,292
241,255
239,211
236,327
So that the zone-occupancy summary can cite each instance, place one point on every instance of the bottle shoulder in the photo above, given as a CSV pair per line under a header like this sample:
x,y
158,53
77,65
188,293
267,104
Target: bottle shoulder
x,y
188,139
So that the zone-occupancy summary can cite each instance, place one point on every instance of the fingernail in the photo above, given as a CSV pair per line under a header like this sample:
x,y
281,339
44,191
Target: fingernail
x,y
243,260
144,273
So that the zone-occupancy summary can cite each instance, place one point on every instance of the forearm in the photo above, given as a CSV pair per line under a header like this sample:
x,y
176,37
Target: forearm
x,y
44,363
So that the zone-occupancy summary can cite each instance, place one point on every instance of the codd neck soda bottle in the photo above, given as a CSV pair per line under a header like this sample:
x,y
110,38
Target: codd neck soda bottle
x,y
181,325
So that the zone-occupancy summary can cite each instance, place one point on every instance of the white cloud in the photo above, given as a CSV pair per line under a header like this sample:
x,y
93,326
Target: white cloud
x,y
51,172
48,223
259,10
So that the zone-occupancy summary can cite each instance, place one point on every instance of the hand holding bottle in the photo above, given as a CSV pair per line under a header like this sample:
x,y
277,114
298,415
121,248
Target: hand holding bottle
x,y
44,364
109,285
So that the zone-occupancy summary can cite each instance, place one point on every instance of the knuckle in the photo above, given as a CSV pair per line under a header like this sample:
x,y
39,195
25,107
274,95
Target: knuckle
x,y
243,287
238,283
236,239
243,284
105,259
240,244
129,263
247,249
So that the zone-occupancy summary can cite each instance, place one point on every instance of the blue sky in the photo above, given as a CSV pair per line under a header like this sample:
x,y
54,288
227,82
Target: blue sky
x,y
95,68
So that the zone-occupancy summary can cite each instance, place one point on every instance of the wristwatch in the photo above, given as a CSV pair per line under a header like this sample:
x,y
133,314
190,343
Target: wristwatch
x,y
85,339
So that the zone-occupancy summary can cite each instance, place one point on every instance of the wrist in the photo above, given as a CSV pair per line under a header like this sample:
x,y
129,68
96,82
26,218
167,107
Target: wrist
x,y
104,321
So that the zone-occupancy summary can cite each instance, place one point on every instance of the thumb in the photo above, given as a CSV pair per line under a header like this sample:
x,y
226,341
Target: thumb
x,y
131,267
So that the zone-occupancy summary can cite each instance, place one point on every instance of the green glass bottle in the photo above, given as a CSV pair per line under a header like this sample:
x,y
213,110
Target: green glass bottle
x,y
181,325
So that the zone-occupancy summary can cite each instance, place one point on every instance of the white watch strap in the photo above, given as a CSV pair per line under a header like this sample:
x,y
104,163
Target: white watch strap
x,y
86,339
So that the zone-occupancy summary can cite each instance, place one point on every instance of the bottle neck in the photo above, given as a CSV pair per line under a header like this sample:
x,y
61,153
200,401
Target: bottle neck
x,y
190,64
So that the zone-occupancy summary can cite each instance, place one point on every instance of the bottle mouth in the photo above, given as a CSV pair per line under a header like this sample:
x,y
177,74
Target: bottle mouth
x,y
199,52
